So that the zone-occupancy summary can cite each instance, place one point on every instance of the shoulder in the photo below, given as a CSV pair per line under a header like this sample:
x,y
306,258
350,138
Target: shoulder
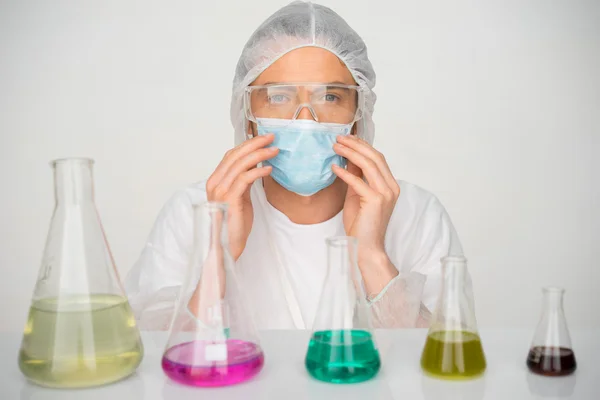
x,y
420,215
187,196
179,207
417,200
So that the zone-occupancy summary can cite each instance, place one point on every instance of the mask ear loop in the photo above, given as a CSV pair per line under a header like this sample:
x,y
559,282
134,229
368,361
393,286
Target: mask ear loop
x,y
247,112
358,117
248,127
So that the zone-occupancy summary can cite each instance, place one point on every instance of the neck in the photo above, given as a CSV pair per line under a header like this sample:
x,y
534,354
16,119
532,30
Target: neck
x,y
306,210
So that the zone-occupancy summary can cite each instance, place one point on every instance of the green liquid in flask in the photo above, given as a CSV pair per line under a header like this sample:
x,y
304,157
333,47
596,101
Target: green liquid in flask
x,y
80,341
453,355
342,356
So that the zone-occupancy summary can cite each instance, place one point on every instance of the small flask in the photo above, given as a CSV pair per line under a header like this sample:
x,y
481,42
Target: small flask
x,y
342,348
81,331
212,339
453,348
551,353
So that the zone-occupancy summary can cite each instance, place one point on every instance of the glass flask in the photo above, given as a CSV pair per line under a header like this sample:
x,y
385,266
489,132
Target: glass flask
x,y
212,339
342,348
551,353
80,331
453,348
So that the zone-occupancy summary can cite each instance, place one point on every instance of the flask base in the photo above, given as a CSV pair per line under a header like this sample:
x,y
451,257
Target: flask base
x,y
551,361
453,355
74,373
209,364
80,341
342,356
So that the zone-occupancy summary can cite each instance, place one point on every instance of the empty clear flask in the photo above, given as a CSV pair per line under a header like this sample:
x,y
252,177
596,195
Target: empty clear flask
x,y
551,353
342,348
80,331
212,339
453,348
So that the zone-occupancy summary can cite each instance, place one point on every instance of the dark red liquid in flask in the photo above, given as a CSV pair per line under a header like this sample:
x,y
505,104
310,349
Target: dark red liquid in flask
x,y
551,361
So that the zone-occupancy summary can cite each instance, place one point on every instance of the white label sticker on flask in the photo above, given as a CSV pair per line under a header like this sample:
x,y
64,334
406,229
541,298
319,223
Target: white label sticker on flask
x,y
215,352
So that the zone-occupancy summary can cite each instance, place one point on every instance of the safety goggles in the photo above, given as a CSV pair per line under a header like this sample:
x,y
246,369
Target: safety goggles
x,y
327,103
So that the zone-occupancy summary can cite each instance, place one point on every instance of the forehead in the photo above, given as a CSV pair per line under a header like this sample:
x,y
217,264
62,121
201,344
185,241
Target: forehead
x,y
306,64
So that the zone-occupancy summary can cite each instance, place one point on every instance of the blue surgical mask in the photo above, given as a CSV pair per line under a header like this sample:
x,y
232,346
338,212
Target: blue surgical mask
x,y
306,154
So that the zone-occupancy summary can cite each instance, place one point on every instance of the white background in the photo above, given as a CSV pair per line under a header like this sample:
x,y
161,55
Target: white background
x,y
492,106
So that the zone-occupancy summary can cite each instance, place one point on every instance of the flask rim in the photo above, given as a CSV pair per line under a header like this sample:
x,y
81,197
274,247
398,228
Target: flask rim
x,y
553,289
461,259
83,160
339,241
211,205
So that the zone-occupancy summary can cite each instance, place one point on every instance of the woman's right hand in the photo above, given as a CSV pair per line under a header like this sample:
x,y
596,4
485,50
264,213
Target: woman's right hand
x,y
231,181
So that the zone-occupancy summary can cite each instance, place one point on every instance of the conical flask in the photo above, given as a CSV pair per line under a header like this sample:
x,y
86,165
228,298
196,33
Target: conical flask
x,y
81,331
212,339
551,353
453,348
342,348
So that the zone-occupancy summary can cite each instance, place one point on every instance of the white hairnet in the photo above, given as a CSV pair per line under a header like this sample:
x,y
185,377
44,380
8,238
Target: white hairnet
x,y
303,24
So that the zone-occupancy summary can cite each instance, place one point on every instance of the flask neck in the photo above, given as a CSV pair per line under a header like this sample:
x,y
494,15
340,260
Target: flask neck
x,y
341,257
210,243
455,273
455,309
211,224
553,300
73,181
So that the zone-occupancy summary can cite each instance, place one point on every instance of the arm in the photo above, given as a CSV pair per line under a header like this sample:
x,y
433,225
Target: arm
x,y
409,298
154,282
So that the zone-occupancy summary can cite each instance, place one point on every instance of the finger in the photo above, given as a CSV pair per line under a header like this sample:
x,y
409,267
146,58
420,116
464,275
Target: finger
x,y
368,167
244,164
353,169
357,184
234,154
244,180
367,150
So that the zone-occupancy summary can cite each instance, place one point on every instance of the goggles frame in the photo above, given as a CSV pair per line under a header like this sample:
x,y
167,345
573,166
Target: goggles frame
x,y
359,104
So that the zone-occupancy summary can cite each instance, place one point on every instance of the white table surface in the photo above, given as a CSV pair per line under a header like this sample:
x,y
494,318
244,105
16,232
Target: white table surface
x,y
284,377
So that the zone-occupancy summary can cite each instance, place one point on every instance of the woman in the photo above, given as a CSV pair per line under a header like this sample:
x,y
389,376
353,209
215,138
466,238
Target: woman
x,y
302,106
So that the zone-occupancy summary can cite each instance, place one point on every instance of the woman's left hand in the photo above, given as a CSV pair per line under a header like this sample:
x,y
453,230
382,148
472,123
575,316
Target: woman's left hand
x,y
369,204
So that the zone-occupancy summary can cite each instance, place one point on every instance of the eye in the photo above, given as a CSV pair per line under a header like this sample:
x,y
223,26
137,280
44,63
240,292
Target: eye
x,y
330,97
277,99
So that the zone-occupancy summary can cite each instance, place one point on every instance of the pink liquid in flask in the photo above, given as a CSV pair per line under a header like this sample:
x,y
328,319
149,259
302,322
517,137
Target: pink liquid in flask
x,y
208,364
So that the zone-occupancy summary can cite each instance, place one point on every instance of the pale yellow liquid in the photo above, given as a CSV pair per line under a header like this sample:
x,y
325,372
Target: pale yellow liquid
x,y
80,341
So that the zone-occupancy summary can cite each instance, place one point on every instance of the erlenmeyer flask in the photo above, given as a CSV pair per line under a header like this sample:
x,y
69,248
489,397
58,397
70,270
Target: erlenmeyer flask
x,y
342,348
453,348
80,331
212,340
551,353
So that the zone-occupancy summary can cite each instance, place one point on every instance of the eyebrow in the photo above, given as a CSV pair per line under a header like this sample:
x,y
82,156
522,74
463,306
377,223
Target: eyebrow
x,y
293,83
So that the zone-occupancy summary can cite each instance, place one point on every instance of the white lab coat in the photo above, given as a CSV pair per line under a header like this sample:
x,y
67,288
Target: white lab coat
x,y
282,269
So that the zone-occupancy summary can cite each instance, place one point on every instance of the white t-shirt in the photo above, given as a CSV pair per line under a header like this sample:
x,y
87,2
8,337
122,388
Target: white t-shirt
x,y
283,266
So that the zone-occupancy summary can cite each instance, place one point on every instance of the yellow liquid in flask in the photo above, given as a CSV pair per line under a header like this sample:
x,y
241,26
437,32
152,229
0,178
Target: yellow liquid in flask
x,y
453,355
80,341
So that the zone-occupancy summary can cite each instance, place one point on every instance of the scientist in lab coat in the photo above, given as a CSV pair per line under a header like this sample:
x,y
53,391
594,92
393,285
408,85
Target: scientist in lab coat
x,y
304,169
